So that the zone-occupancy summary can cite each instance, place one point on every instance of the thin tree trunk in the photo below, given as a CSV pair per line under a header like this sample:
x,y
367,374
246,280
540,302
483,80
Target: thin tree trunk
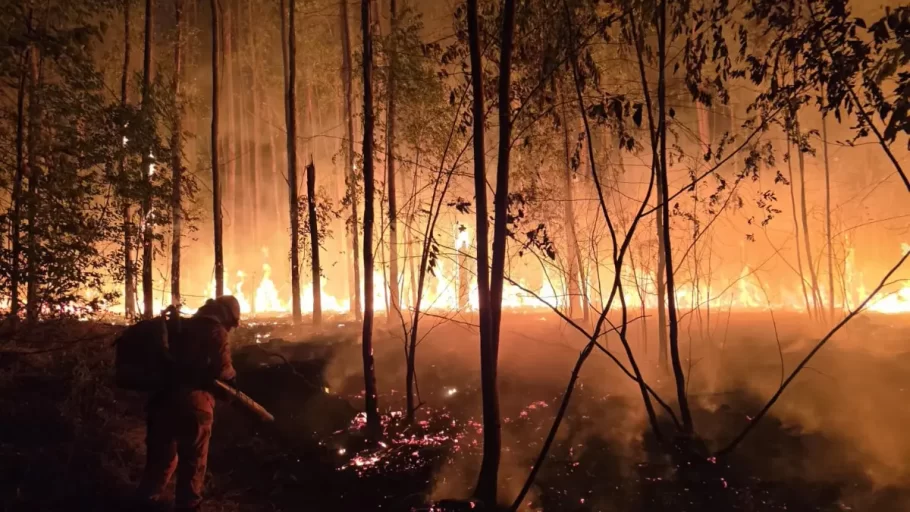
x,y
289,41
828,234
668,251
177,148
257,126
369,371
799,252
216,175
501,201
129,284
487,481
813,276
572,259
582,272
394,292
347,84
314,244
17,188
663,348
34,179
239,138
229,137
147,233
276,172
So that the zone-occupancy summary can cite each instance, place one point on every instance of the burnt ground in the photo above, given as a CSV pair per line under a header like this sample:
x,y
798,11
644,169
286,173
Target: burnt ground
x,y
69,441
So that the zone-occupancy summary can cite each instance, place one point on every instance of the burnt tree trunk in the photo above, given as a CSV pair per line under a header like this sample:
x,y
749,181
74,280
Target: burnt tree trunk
x,y
668,250
369,371
394,293
177,148
347,84
147,233
129,276
312,220
289,41
216,175
314,243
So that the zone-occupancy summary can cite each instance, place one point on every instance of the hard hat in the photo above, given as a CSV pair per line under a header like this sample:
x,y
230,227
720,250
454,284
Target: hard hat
x,y
231,308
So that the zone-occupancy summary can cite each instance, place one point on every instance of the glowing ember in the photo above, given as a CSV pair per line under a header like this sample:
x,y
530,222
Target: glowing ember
x,y
451,391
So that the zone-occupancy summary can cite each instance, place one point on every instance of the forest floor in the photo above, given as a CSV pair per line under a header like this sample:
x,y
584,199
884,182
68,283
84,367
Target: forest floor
x,y
835,442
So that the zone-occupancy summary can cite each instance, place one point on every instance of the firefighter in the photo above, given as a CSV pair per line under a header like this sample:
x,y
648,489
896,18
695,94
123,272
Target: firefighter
x,y
180,417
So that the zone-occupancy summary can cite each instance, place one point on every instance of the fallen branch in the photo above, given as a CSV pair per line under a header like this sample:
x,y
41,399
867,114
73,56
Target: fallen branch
x,y
761,414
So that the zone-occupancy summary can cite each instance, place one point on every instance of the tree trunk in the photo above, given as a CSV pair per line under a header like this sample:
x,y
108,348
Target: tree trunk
x,y
394,293
347,83
668,250
276,172
177,148
34,179
813,276
257,126
289,41
16,216
369,372
314,244
490,292
229,138
129,276
216,178
663,348
147,233
828,235
799,252
572,256
239,139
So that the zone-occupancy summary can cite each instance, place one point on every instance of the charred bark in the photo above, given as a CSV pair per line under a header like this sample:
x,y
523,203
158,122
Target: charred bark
x,y
369,372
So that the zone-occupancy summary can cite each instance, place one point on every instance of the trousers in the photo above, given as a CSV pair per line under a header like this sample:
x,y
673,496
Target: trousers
x,y
179,427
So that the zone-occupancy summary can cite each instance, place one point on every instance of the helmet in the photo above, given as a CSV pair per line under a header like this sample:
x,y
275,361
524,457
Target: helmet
x,y
231,309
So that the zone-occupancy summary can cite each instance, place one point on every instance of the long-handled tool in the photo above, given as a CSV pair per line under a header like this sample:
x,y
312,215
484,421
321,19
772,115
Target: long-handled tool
x,y
244,400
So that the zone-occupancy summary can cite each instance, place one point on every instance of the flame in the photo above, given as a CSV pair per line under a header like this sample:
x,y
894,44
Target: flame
x,y
266,298
897,301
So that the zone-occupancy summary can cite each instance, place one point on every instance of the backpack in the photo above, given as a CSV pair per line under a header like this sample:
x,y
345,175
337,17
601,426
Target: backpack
x,y
142,360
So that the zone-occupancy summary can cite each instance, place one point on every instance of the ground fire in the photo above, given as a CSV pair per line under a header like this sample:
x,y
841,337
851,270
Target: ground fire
x,y
550,255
